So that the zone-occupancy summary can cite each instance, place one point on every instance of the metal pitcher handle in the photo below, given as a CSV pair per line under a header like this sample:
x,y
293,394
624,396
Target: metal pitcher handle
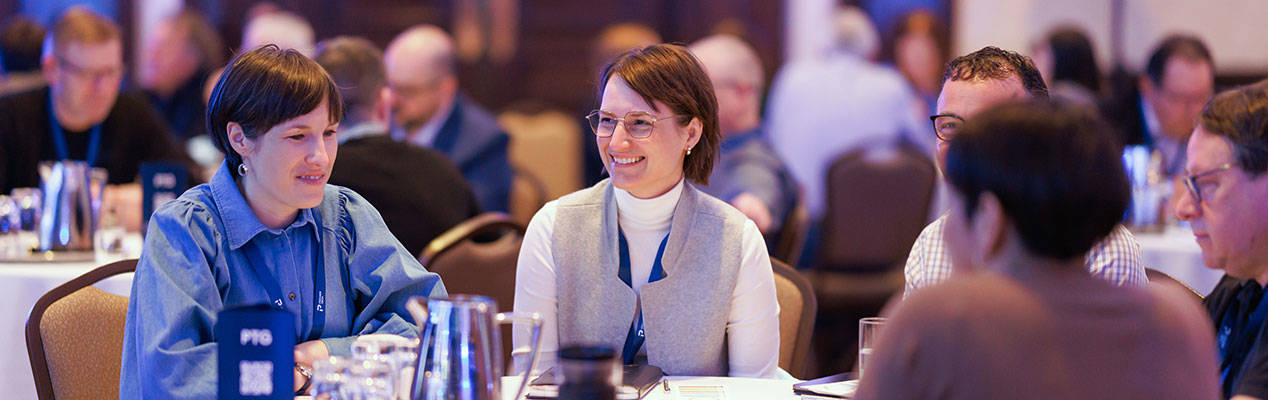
x,y
534,342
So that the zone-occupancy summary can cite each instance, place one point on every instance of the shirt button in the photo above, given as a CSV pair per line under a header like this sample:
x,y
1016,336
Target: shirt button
x,y
292,296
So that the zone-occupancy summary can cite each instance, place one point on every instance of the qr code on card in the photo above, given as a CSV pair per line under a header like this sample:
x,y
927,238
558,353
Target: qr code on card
x,y
255,378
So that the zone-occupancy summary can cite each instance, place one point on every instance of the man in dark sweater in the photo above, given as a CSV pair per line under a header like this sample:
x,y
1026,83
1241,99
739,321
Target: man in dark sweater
x,y
81,116
1227,185
419,192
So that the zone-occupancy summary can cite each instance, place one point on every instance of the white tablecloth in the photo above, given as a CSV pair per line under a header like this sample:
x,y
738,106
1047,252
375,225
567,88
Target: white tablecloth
x,y
21,285
733,388
1174,252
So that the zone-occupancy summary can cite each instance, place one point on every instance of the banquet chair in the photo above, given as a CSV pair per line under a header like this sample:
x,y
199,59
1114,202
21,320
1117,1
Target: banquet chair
x,y
547,143
792,236
478,257
74,337
528,194
1157,277
797,309
878,201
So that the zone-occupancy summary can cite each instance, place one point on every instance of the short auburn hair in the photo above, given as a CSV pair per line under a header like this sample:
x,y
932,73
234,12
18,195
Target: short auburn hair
x,y
80,25
669,74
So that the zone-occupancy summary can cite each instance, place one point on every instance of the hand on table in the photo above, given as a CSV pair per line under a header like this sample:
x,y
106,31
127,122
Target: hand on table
x,y
305,354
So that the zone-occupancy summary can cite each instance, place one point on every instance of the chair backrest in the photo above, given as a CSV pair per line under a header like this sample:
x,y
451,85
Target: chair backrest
x,y
878,201
797,308
528,194
74,337
792,236
478,257
547,143
1157,277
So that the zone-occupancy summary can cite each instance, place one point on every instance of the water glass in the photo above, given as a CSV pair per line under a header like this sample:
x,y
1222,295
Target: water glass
x,y
329,375
368,380
29,206
869,331
10,227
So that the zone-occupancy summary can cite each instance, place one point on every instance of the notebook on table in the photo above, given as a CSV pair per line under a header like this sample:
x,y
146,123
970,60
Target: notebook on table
x,y
839,386
638,379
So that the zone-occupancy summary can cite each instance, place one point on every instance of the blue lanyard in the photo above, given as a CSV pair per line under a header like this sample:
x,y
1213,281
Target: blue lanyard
x,y
274,288
1234,350
59,138
634,340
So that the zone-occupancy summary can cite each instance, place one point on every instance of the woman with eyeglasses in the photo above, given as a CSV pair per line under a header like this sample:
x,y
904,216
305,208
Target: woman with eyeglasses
x,y
644,262
268,230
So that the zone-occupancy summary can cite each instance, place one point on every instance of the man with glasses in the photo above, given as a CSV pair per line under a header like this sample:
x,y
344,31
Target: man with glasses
x,y
428,111
82,116
1178,80
1227,186
972,83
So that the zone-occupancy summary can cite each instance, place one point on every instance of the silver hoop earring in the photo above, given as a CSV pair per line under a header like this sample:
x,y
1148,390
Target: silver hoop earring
x,y
242,169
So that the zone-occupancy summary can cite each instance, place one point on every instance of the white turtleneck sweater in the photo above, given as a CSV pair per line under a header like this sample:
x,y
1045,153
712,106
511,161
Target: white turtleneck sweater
x,y
752,326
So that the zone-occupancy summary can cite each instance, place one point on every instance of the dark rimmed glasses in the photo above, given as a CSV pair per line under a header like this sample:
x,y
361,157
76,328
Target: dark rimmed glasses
x,y
1191,181
945,125
638,124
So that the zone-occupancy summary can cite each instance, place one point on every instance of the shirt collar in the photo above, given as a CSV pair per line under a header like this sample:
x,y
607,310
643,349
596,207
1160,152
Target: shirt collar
x,y
735,141
426,135
241,224
649,214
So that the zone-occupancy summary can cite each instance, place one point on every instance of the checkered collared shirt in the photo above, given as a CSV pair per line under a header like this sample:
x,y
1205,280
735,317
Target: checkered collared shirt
x,y
1115,259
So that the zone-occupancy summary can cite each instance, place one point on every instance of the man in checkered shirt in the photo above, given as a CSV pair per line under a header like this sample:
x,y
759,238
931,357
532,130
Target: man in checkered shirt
x,y
973,83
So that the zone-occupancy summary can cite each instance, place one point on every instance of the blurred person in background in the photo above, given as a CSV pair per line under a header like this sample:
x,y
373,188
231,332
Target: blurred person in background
x,y
822,108
748,175
82,116
611,42
267,229
695,294
418,191
973,83
20,41
918,48
1226,187
429,111
1068,64
269,25
1178,80
1035,186
175,62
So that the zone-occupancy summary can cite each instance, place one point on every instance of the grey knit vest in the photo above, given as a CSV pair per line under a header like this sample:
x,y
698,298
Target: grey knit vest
x,y
684,314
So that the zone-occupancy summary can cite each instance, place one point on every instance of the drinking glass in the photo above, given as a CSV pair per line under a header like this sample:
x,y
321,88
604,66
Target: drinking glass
x,y
869,331
329,375
29,206
10,221
368,380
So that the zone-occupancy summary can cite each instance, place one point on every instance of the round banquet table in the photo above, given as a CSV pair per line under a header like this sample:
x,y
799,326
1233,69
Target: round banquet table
x,y
22,284
1174,252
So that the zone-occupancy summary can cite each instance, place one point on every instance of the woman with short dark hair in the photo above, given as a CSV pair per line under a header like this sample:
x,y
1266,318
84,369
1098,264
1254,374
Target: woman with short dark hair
x,y
266,230
644,262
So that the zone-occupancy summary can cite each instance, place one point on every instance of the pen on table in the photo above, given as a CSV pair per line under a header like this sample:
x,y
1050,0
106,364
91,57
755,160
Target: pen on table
x,y
666,384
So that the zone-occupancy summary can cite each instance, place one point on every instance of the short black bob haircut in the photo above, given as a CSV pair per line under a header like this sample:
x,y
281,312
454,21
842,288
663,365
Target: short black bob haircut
x,y
1056,172
265,87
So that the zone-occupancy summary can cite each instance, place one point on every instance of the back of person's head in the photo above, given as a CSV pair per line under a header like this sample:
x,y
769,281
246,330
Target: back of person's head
x,y
1057,175
734,69
854,33
619,38
79,25
995,63
20,41
1184,47
356,65
284,29
1073,58
671,75
265,87
1241,116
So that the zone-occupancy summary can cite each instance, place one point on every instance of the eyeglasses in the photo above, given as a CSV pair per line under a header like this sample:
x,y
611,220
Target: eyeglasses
x,y
1191,181
92,75
945,125
638,124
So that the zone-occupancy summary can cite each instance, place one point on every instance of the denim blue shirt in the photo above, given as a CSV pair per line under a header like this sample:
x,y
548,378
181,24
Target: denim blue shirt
x,y
195,263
